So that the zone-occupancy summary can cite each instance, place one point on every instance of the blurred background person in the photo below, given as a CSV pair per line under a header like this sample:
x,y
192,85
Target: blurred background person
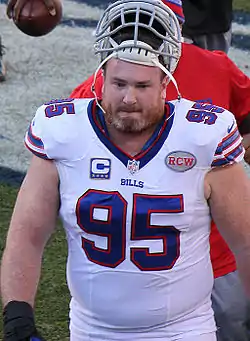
x,y
208,23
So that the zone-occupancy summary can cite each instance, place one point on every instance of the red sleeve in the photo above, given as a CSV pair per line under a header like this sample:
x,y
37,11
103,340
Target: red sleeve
x,y
84,89
240,92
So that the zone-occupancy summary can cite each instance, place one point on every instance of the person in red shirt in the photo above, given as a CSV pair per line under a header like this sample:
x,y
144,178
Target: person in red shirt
x,y
212,77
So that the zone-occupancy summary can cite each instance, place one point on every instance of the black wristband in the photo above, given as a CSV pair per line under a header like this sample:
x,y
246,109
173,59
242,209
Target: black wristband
x,y
18,321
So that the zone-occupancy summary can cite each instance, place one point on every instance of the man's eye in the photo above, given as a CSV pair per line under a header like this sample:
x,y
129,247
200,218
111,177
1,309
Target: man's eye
x,y
142,86
119,84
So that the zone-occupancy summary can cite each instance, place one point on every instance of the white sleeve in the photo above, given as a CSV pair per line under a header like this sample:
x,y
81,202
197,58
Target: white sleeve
x,y
34,137
57,128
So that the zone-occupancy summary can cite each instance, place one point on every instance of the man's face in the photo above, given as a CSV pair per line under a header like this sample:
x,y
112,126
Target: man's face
x,y
133,96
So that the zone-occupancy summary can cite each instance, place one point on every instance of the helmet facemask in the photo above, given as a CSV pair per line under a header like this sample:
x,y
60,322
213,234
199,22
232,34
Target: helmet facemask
x,y
143,32
128,20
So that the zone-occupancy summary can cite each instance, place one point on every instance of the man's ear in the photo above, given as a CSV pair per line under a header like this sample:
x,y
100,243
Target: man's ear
x,y
103,78
164,84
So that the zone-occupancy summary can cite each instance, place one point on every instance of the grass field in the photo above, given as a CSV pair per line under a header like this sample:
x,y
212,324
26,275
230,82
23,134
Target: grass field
x,y
53,299
241,5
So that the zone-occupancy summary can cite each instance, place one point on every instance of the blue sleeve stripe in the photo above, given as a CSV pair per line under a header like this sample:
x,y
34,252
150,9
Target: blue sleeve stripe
x,y
229,157
228,141
219,162
41,155
34,140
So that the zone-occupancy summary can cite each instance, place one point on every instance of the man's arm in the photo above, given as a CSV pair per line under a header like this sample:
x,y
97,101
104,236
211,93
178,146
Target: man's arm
x,y
246,144
33,221
228,192
244,129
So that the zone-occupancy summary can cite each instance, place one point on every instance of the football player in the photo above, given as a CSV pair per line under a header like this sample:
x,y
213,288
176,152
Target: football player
x,y
135,180
227,86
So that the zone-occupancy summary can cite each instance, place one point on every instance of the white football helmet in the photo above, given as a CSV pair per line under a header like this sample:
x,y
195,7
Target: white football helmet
x,y
151,16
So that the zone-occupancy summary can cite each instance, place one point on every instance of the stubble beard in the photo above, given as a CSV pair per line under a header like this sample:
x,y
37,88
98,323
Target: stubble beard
x,y
132,125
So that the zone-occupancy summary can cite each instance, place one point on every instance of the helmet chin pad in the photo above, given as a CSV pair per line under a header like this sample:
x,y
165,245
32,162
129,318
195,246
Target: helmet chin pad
x,y
140,54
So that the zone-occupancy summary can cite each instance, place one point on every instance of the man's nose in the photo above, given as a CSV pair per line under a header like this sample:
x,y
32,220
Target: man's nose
x,y
130,96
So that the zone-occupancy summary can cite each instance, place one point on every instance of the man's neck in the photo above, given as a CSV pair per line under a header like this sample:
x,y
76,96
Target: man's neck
x,y
130,143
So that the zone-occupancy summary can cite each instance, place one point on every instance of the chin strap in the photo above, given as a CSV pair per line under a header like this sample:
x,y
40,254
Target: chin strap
x,y
94,81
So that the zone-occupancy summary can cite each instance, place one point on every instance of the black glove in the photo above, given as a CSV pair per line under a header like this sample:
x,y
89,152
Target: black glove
x,y
19,323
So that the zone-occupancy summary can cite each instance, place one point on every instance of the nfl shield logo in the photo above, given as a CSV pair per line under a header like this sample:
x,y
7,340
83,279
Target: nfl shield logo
x,y
133,166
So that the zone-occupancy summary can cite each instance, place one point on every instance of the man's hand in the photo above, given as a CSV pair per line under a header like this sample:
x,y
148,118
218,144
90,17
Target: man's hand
x,y
246,144
18,322
14,8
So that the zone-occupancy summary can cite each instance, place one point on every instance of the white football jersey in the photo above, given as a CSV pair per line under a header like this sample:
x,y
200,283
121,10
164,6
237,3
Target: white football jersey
x,y
137,227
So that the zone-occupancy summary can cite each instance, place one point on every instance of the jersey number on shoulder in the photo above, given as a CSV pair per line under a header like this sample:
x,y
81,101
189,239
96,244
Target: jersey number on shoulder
x,y
58,107
204,113
103,214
